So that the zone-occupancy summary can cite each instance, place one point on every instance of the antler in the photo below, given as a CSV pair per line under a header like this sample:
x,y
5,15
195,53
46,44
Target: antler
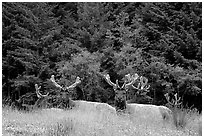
x,y
55,83
175,102
131,79
71,86
143,81
107,78
142,85
37,90
74,84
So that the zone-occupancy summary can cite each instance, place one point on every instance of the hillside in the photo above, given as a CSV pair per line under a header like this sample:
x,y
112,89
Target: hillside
x,y
161,41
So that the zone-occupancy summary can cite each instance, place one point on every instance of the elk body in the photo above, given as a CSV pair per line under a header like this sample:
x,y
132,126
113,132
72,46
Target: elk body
x,y
91,106
140,110
149,111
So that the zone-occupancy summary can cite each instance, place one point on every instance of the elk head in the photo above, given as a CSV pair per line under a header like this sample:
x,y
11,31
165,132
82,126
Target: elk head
x,y
120,91
64,97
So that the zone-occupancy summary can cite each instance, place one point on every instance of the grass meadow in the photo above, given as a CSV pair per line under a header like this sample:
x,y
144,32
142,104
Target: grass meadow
x,y
80,122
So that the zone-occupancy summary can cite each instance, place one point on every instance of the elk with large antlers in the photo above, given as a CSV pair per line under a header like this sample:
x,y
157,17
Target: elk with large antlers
x,y
120,91
138,109
86,105
41,101
65,100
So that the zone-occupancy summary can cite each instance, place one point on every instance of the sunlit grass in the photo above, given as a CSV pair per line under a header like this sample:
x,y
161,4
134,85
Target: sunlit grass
x,y
80,122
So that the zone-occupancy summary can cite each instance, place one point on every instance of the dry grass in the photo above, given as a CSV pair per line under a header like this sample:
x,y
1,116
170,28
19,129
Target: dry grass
x,y
80,122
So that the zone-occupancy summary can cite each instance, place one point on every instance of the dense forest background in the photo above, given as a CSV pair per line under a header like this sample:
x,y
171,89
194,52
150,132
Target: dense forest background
x,y
161,41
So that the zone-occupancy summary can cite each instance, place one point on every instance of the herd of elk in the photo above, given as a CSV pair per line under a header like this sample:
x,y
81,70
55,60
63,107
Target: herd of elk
x,y
121,104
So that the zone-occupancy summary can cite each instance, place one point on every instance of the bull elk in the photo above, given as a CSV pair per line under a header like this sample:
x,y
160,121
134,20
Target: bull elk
x,y
120,91
138,109
85,105
41,101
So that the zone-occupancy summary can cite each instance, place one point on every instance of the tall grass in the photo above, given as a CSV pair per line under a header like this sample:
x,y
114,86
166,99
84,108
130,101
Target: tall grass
x,y
80,122
190,118
179,117
63,127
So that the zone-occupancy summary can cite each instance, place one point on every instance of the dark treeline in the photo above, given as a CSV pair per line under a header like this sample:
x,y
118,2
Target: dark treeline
x,y
161,41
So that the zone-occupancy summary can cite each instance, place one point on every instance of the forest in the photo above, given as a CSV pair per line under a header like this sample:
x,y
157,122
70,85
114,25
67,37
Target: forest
x,y
161,41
